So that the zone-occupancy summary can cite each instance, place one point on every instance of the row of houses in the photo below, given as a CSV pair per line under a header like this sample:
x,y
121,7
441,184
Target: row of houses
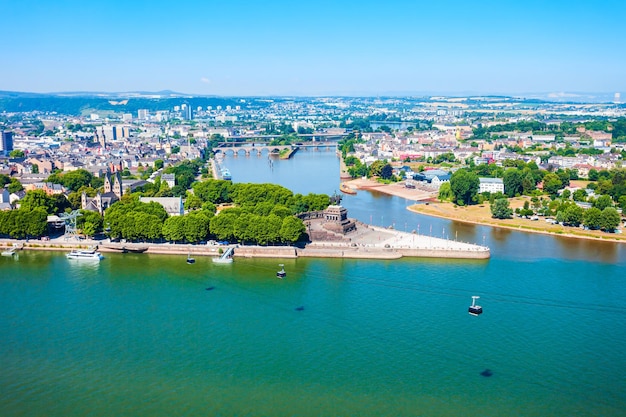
x,y
436,177
114,188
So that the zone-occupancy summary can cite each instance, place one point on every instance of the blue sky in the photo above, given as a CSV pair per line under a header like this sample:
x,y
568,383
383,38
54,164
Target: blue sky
x,y
314,47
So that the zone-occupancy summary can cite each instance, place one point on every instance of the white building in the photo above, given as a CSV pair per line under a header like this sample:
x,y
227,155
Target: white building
x,y
491,185
169,179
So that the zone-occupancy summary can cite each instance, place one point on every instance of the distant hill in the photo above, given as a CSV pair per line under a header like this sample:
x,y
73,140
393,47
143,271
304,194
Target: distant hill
x,y
82,103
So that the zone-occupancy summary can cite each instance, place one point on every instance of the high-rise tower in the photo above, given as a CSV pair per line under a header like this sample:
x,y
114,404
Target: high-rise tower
x,y
6,142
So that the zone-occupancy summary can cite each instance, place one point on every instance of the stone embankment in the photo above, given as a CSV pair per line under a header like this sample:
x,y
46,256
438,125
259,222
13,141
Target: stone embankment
x,y
367,242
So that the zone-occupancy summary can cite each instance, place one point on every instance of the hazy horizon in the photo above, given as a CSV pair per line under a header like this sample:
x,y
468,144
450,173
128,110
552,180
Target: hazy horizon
x,y
317,48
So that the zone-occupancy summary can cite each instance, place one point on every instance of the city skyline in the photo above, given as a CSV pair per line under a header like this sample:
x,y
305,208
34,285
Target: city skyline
x,y
321,48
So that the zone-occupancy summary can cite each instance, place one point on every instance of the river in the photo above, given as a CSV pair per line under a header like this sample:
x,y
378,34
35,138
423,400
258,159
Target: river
x,y
149,335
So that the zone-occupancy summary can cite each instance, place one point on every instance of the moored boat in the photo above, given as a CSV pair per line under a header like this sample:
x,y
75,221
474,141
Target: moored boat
x,y
344,188
9,252
85,254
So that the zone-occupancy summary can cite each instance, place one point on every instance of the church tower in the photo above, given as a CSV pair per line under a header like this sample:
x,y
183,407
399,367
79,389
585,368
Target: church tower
x,y
108,187
117,186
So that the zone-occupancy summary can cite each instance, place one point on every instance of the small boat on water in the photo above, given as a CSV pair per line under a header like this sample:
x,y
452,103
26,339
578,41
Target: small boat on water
x,y
190,260
85,254
346,189
9,252
134,249
12,251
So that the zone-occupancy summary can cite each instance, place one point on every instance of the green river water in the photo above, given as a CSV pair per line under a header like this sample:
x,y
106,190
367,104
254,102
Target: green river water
x,y
140,335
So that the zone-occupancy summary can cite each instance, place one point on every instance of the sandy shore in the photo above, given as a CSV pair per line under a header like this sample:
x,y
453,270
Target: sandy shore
x,y
419,193
481,215
478,214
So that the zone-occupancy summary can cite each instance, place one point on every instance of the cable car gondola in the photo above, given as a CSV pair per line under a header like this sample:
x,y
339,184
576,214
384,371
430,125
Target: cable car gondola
x,y
281,274
475,310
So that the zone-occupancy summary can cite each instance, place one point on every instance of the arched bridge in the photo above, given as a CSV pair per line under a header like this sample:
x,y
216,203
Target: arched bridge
x,y
258,149
249,149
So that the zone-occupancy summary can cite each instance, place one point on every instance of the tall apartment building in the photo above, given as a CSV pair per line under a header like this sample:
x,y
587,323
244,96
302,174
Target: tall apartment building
x,y
6,142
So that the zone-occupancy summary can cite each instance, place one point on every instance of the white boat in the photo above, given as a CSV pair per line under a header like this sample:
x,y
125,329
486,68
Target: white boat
x,y
12,251
91,255
9,252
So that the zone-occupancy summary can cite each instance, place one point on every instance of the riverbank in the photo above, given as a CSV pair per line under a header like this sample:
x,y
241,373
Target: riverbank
x,y
366,242
481,215
398,189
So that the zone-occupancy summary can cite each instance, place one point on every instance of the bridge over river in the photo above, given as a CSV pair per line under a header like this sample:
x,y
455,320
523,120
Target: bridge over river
x,y
249,148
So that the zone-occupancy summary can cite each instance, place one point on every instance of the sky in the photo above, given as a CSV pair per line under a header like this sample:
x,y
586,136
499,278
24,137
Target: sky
x,y
314,48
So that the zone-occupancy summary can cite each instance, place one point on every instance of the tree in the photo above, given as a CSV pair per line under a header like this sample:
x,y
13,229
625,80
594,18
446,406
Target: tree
x,y
192,202
573,215
34,222
464,186
603,202
4,180
16,153
513,182
528,183
222,225
23,223
552,183
593,218
196,226
500,209
375,169
243,228
209,207
174,229
292,229
73,180
59,203
445,192
579,195
526,211
564,175
609,219
214,191
281,211
133,220
37,198
386,172
90,223
14,186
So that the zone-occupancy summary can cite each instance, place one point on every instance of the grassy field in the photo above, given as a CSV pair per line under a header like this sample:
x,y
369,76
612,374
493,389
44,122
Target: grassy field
x,y
481,214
